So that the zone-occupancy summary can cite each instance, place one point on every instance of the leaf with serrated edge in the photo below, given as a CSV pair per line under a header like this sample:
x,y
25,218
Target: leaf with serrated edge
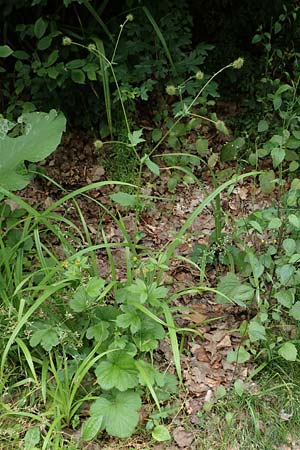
x,y
119,411
119,371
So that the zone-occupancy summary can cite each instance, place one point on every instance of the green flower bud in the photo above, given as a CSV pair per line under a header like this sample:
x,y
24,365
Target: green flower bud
x,y
92,47
171,90
67,41
199,75
129,17
98,144
238,63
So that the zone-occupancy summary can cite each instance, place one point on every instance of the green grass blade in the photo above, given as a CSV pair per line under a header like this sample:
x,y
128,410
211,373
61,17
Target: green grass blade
x,y
105,82
173,340
28,358
159,35
96,16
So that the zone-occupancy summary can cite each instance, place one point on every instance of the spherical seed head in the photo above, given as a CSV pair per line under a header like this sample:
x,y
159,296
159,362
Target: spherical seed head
x,y
129,17
171,89
238,63
92,47
67,41
199,75
98,144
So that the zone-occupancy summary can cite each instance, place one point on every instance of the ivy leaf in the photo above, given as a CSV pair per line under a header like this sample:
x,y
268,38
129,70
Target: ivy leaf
x,y
119,371
47,337
119,411
288,351
91,427
231,286
42,134
135,137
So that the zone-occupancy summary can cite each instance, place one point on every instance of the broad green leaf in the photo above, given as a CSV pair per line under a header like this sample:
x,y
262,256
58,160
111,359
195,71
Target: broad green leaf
x,y
212,160
78,76
124,199
256,331
119,371
220,392
285,273
161,433
130,319
135,137
99,332
80,300
5,51
32,438
256,39
294,220
95,286
256,226
293,166
267,181
274,224
42,134
239,387
151,332
239,356
220,126
231,286
40,27
289,246
231,149
283,88
278,155
119,411
47,337
91,427
262,126
285,298
156,134
295,311
288,351
44,43
277,102
201,146
152,166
